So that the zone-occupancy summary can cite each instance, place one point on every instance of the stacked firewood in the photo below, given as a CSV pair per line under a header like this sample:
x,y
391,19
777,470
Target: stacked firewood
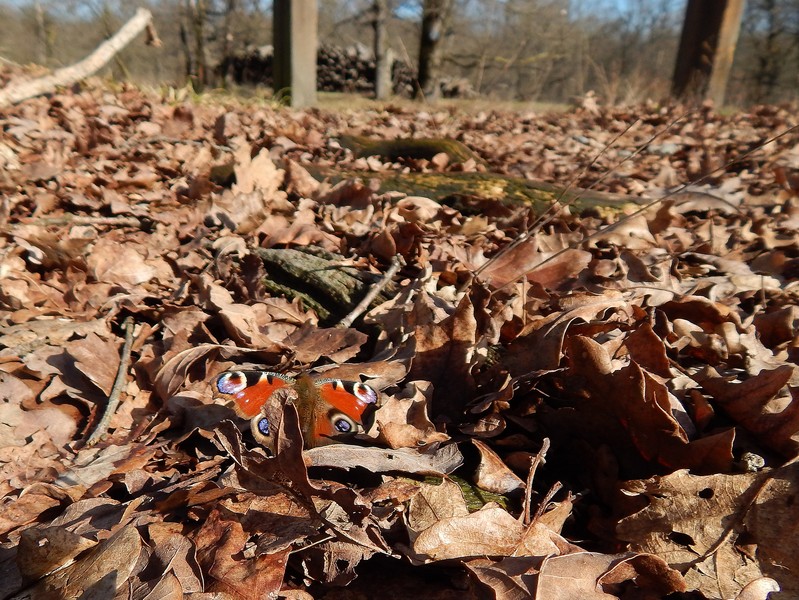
x,y
350,69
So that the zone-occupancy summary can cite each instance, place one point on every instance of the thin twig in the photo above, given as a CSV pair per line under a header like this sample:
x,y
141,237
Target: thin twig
x,y
363,305
546,499
82,220
528,493
119,383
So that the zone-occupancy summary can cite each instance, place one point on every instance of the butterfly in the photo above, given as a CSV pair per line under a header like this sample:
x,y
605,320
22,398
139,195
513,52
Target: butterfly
x,y
330,410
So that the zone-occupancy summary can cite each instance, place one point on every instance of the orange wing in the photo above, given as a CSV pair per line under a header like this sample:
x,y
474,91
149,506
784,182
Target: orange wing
x,y
339,410
249,390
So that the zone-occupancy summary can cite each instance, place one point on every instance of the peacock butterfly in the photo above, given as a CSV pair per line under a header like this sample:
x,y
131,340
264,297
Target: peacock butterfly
x,y
330,410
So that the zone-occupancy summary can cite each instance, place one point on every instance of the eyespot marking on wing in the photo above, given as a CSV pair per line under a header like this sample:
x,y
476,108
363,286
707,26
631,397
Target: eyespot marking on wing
x,y
231,382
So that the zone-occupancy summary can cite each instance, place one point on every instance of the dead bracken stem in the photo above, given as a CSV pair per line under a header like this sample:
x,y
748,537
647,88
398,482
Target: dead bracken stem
x,y
546,500
396,263
528,492
557,206
639,211
116,390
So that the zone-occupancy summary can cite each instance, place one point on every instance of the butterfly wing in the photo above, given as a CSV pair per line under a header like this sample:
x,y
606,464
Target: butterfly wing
x,y
267,425
338,410
328,408
249,390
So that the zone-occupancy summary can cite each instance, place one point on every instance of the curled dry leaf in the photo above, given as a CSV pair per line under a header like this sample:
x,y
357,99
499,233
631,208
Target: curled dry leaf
x,y
435,502
492,474
299,181
100,372
337,344
638,405
778,326
759,589
334,562
221,544
378,460
703,525
103,571
540,347
598,574
445,351
527,260
17,512
491,531
42,550
578,575
403,422
762,404
119,264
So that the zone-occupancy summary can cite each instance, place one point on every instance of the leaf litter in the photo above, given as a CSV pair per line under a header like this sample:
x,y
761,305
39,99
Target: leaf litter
x,y
655,359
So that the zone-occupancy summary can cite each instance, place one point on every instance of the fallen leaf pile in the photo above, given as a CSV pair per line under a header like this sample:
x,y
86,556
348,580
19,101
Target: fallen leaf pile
x,y
607,408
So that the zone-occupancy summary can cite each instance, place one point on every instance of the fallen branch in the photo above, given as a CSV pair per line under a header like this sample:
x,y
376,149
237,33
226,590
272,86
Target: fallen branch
x,y
142,20
528,492
363,305
82,220
116,390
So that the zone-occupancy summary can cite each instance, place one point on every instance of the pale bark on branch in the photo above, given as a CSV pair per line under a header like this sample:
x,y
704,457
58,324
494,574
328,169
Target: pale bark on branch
x,y
14,93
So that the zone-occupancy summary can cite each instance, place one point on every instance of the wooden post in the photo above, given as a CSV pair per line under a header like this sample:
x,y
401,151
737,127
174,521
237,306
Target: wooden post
x,y
707,46
725,51
295,36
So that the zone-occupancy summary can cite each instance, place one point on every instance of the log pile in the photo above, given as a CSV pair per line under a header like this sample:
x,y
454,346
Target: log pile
x,y
350,69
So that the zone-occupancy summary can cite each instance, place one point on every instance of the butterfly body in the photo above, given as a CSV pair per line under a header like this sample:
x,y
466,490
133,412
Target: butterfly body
x,y
329,409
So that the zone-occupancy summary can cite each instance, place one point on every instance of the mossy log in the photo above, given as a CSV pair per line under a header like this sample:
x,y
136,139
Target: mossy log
x,y
409,148
459,190
456,188
319,280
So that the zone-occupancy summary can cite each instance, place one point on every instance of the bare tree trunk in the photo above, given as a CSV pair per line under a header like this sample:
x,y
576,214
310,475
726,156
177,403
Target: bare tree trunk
x,y
382,53
227,42
194,43
106,17
434,24
725,51
709,37
188,53
43,45
41,39
769,46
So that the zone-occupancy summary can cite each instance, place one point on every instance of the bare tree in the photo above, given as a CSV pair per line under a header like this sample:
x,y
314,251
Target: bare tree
x,y
231,8
193,35
44,42
769,49
435,18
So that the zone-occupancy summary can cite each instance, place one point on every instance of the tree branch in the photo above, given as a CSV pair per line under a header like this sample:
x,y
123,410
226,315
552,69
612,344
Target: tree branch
x,y
15,93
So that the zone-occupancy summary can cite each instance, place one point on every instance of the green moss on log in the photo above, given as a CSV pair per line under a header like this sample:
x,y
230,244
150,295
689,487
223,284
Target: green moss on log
x,y
452,188
413,148
321,283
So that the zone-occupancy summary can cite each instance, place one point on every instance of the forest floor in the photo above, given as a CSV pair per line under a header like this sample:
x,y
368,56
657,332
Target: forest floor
x,y
570,405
